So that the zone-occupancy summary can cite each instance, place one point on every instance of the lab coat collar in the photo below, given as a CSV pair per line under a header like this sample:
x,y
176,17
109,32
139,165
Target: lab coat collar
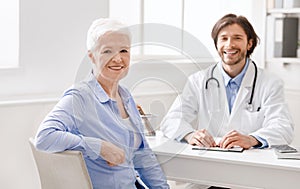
x,y
244,91
237,79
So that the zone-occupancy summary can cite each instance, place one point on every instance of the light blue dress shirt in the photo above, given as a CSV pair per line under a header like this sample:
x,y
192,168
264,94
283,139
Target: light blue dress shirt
x,y
83,118
232,86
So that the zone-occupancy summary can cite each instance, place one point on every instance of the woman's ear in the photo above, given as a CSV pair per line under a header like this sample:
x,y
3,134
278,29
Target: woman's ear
x,y
91,56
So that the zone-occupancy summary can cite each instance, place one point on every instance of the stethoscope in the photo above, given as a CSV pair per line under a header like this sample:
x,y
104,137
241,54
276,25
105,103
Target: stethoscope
x,y
249,105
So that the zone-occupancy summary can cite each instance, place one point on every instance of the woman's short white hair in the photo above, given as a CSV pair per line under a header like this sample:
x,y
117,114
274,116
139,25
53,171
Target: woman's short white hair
x,y
102,25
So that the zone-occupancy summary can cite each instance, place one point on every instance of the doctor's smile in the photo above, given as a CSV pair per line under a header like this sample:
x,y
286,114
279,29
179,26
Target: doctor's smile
x,y
235,100
229,52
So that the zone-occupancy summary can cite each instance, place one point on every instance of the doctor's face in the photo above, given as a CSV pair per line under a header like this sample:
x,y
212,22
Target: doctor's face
x,y
111,57
232,45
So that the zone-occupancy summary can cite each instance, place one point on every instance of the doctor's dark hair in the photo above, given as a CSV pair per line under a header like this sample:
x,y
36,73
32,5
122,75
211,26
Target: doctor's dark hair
x,y
242,21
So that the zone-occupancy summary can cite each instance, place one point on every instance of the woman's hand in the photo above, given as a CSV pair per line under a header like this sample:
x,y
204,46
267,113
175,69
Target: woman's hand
x,y
112,154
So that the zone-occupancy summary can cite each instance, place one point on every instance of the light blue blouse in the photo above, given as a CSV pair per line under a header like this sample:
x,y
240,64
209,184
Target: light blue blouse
x,y
83,118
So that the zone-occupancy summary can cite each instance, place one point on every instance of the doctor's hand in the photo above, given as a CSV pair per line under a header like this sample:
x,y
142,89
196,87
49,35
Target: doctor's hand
x,y
234,138
112,154
200,138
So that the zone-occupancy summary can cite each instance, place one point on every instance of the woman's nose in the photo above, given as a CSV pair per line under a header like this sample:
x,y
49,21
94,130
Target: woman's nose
x,y
117,58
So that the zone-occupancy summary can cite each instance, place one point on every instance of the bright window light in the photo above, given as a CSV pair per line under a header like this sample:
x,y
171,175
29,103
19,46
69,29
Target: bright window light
x,y
9,33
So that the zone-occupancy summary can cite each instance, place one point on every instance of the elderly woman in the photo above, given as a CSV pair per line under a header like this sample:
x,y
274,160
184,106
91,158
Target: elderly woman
x,y
99,117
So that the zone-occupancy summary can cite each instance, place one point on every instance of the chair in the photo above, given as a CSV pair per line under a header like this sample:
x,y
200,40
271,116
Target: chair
x,y
64,170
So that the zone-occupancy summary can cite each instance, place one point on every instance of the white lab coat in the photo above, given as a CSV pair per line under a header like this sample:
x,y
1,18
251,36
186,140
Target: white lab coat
x,y
198,108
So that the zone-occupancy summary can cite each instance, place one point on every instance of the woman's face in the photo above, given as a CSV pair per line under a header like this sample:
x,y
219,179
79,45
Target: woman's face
x,y
111,57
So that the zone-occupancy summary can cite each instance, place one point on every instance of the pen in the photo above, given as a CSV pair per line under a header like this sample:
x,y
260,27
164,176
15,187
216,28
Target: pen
x,y
148,126
205,148
199,148
237,149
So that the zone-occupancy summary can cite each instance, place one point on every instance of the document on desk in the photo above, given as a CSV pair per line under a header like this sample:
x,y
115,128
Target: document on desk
x,y
233,149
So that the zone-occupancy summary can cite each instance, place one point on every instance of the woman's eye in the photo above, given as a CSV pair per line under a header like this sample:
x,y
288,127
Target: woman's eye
x,y
107,51
124,51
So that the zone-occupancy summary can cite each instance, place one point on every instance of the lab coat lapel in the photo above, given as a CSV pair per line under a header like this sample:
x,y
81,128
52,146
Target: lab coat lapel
x,y
221,117
244,91
223,101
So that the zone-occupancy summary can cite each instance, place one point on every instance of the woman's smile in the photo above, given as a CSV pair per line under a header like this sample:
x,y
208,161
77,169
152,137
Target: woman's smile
x,y
116,68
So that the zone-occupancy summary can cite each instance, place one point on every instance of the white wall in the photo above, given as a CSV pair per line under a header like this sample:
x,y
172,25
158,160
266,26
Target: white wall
x,y
52,46
19,122
291,77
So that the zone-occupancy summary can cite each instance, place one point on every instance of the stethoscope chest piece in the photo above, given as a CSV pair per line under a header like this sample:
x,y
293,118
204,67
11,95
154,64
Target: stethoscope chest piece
x,y
249,107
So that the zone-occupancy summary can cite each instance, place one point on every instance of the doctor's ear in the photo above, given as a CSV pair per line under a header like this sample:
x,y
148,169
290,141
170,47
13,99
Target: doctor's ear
x,y
250,43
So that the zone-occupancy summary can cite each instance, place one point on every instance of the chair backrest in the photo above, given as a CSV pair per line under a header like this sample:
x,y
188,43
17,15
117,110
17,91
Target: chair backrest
x,y
62,170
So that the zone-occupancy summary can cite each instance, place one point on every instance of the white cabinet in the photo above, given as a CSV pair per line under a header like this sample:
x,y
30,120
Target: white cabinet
x,y
282,35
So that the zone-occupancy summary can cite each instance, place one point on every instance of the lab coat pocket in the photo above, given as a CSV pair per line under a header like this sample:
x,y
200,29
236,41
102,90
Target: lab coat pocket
x,y
252,121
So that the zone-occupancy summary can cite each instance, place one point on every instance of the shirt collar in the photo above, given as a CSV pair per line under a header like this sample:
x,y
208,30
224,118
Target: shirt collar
x,y
99,91
237,79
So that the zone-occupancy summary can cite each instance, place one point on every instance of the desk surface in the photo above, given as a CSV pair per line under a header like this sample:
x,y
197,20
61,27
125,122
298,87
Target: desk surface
x,y
253,168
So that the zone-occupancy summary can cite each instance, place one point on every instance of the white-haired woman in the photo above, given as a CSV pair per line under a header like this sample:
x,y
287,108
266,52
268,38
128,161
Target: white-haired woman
x,y
99,117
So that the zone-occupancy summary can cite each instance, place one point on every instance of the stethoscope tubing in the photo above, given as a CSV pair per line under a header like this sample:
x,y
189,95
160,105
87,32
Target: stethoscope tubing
x,y
218,83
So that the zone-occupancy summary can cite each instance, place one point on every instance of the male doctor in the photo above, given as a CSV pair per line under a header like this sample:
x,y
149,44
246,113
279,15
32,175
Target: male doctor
x,y
233,99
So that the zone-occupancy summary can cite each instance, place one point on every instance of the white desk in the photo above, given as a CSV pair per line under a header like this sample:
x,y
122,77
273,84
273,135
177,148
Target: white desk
x,y
254,168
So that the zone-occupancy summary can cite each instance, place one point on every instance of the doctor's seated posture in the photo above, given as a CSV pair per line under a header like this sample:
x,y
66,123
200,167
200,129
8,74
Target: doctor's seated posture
x,y
232,100
99,117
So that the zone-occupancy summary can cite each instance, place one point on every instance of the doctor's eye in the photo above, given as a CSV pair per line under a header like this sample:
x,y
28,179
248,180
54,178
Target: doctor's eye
x,y
223,38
